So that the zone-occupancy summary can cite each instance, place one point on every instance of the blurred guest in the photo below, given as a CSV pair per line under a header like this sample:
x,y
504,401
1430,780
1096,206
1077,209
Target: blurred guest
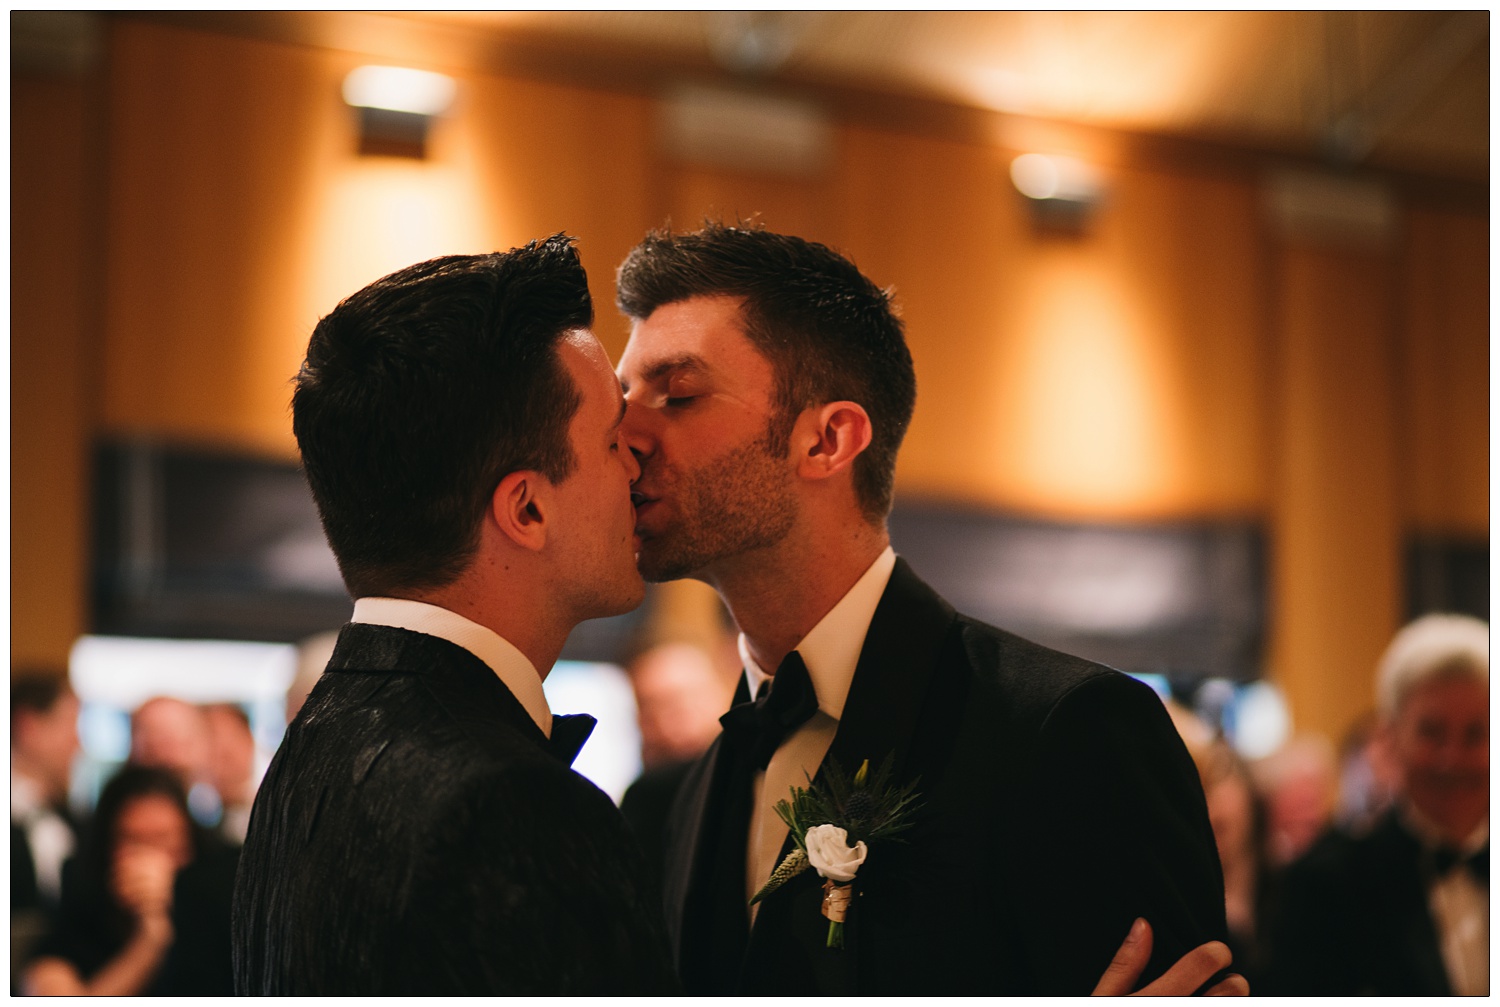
x,y
43,741
679,697
1237,815
231,765
1367,777
146,901
1298,783
1404,910
168,733
1238,818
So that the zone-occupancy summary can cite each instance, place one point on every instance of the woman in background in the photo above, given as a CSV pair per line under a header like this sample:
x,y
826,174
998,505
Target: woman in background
x,y
145,903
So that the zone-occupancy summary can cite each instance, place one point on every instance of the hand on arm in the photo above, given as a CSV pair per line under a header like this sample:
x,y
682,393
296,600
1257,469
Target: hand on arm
x,y
1184,978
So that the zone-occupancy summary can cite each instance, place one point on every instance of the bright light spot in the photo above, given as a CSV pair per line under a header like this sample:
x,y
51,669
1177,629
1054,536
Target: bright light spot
x,y
399,89
1040,176
1262,722
124,672
1035,176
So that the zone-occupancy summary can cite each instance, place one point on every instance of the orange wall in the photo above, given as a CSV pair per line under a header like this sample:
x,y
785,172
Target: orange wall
x,y
52,366
1175,360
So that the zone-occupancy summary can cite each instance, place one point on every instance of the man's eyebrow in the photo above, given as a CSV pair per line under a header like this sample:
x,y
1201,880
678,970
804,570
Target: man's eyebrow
x,y
669,365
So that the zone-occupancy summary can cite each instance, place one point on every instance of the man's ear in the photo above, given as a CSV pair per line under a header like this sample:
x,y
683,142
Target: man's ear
x,y
519,510
830,437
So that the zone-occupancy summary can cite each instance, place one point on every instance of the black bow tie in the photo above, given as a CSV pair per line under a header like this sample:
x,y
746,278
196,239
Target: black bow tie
x,y
1445,858
761,726
569,732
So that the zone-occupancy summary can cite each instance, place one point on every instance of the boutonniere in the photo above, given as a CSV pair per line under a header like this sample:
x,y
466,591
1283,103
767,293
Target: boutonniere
x,y
834,826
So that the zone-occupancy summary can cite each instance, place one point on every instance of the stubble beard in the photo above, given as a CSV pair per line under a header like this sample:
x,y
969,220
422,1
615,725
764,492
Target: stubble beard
x,y
740,502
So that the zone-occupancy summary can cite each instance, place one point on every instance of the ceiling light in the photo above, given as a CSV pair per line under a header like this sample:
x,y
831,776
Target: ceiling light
x,y
1044,176
1061,191
398,89
396,106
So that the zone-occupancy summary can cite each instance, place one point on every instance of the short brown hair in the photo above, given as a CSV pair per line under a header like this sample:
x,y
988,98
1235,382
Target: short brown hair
x,y
829,333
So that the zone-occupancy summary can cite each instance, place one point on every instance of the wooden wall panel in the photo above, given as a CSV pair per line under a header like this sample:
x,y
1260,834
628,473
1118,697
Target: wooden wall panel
x,y
241,212
930,219
1445,381
1336,527
1119,372
553,158
211,147
53,296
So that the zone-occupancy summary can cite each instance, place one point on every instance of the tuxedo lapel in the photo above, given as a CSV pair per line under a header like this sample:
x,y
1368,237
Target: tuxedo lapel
x,y
894,677
1398,855
708,912
896,672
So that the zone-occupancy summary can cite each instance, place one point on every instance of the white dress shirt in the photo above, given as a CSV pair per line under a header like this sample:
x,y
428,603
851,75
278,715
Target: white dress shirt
x,y
831,652
1460,908
510,665
48,836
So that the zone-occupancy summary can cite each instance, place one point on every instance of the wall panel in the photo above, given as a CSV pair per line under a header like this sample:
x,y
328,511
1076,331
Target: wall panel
x,y
53,296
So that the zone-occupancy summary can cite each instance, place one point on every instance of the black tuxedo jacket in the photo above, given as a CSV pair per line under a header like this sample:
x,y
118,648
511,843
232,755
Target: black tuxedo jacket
x,y
1057,805
414,835
1353,920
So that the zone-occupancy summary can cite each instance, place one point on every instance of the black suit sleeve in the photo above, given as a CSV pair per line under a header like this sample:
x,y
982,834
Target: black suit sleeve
x,y
1115,827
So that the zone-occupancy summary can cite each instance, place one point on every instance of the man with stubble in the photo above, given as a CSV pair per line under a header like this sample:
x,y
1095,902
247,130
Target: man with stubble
x,y
769,387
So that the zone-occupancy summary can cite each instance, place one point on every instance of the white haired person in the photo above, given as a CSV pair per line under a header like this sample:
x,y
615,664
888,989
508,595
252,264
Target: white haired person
x,y
1404,910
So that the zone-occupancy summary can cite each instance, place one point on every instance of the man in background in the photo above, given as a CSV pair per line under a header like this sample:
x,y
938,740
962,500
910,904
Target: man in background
x,y
43,742
679,697
231,766
1404,910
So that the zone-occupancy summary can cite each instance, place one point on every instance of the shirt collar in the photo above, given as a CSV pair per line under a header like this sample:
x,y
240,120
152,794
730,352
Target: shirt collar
x,y
1432,837
26,795
510,665
831,649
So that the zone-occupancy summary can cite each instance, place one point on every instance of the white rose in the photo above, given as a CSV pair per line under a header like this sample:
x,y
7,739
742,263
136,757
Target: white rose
x,y
829,851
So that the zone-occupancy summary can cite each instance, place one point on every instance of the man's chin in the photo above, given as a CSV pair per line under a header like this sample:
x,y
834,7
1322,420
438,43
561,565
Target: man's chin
x,y
627,599
656,568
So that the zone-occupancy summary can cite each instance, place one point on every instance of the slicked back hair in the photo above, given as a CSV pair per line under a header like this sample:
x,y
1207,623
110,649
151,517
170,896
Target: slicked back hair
x,y
425,389
828,332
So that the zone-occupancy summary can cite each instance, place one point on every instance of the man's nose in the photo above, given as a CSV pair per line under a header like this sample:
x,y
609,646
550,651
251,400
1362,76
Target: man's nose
x,y
636,431
632,464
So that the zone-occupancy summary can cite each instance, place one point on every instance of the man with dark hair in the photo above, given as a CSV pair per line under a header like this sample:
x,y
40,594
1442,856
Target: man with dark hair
x,y
419,830
769,387
43,742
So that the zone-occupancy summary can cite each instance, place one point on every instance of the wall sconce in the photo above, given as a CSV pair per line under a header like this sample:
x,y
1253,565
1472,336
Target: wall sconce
x,y
396,106
1061,191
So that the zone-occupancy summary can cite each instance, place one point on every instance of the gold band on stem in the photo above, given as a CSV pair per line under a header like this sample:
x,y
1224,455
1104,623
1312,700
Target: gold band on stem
x,y
836,900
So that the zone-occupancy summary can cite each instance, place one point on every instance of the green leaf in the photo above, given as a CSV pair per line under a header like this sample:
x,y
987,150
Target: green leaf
x,y
794,864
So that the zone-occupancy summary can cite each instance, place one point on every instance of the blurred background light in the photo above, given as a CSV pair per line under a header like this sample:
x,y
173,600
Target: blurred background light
x,y
399,89
1042,176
